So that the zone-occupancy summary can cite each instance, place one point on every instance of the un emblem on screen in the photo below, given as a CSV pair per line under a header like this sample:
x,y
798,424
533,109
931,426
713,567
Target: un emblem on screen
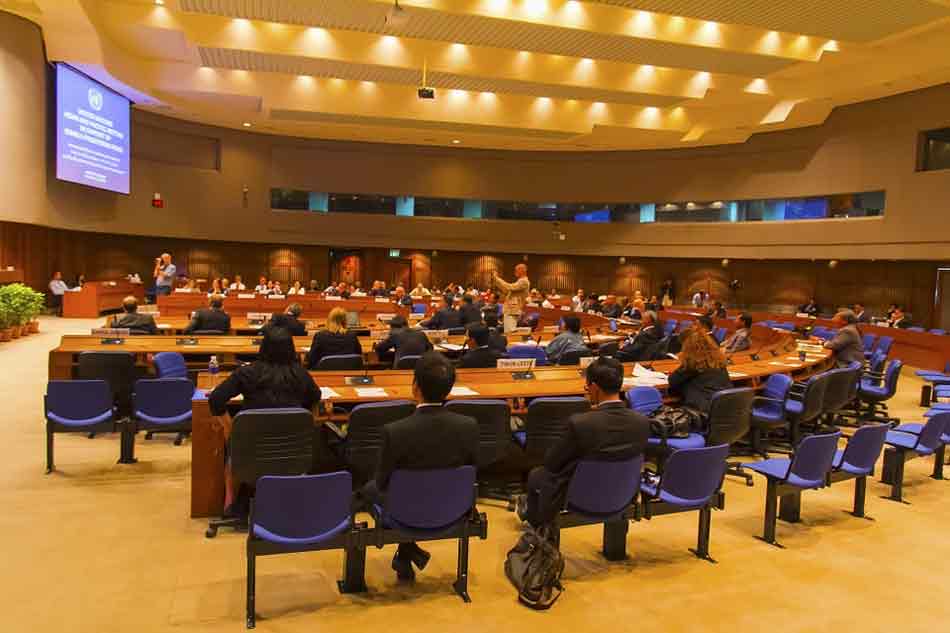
x,y
95,99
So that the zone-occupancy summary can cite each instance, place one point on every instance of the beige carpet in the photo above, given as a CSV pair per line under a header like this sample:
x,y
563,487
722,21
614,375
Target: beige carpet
x,y
101,547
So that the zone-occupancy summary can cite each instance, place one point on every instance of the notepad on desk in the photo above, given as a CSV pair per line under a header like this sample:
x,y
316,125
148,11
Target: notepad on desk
x,y
462,391
450,347
370,392
328,392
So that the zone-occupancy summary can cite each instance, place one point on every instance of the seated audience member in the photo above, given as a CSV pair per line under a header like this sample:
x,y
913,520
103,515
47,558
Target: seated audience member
x,y
704,325
545,303
313,288
579,301
697,299
419,291
593,303
343,290
131,319
212,318
334,340
57,288
707,301
356,291
498,340
610,308
534,297
431,438
469,313
570,340
262,288
890,312
653,305
645,343
741,339
296,289
276,289
403,340
847,344
237,285
444,317
491,304
860,314
274,381
811,308
225,286
331,290
290,320
717,311
899,318
400,296
634,309
480,353
608,432
378,289
702,373
215,288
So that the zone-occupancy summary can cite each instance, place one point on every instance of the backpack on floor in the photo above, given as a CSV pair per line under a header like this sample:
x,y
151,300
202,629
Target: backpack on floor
x,y
534,566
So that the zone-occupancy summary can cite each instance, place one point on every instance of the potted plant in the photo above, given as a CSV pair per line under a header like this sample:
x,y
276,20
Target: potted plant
x,y
19,300
37,303
6,326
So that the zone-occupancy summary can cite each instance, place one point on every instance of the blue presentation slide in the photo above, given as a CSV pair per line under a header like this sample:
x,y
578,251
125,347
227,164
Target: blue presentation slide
x,y
92,132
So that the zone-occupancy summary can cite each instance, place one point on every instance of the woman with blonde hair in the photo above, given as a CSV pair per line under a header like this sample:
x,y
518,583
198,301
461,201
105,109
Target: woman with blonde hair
x,y
702,373
334,340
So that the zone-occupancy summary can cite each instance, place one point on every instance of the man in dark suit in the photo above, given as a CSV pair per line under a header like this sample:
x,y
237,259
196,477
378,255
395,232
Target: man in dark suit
x,y
608,432
811,308
860,314
498,341
469,312
847,344
610,308
480,352
131,319
445,318
290,320
211,318
430,438
402,339
645,342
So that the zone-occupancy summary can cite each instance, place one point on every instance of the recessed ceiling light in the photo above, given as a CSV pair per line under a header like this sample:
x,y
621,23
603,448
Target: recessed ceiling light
x,y
455,141
160,3
246,124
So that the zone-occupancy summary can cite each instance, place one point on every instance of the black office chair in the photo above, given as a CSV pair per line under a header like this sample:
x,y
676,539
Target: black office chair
x,y
608,349
407,362
494,427
730,415
841,390
804,408
117,369
266,442
573,357
545,424
339,362
364,435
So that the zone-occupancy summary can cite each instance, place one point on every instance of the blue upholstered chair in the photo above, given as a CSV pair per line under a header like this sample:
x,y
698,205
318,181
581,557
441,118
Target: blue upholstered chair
x,y
868,341
529,351
875,394
807,407
76,406
303,513
644,400
807,469
916,328
161,404
340,362
858,459
937,331
418,308
691,481
170,365
768,411
720,334
669,326
909,441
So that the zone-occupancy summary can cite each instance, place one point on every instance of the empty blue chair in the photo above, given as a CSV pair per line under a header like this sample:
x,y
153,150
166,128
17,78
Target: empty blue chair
x,y
669,326
76,406
868,341
876,394
340,362
529,351
884,345
161,404
720,334
937,331
857,461
603,492
691,481
807,407
916,329
429,505
768,410
170,365
418,308
909,441
303,513
644,400
808,469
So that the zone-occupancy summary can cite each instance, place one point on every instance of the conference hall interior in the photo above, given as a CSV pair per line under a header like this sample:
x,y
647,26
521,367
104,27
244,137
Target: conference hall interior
x,y
475,315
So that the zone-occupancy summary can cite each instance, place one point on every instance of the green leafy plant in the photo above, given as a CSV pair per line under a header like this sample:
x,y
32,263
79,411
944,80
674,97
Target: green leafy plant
x,y
19,304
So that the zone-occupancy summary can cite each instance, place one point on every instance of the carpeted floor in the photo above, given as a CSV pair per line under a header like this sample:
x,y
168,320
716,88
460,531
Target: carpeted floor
x,y
101,547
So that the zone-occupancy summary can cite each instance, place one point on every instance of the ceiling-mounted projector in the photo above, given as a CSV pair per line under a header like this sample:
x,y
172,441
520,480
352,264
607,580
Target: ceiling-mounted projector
x,y
397,16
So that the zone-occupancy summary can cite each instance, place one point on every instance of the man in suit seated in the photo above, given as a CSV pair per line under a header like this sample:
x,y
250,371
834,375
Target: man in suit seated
x,y
402,339
400,296
498,340
741,339
469,312
131,319
430,438
860,314
899,319
570,340
290,320
645,343
811,308
610,308
608,432
212,318
444,318
480,352
847,343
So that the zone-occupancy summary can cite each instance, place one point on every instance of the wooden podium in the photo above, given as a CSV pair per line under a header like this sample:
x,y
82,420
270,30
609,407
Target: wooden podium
x,y
96,297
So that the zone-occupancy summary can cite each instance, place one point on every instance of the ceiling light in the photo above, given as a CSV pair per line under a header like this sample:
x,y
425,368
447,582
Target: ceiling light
x,y
397,16
160,3
246,124
455,141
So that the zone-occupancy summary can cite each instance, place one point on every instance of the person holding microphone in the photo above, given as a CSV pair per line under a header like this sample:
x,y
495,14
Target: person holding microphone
x,y
515,295
164,275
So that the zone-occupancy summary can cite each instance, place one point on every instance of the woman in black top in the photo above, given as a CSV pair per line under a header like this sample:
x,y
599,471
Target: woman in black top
x,y
702,373
334,340
275,380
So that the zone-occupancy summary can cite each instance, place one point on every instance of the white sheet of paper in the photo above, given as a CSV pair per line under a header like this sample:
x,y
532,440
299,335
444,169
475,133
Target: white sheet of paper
x,y
462,391
327,392
737,374
778,364
450,347
639,371
640,381
370,392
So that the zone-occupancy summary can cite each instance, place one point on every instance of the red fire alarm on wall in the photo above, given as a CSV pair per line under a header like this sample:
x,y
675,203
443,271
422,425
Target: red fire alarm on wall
x,y
157,201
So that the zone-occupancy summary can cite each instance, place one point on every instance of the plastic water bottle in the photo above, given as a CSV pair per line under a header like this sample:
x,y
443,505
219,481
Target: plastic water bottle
x,y
213,369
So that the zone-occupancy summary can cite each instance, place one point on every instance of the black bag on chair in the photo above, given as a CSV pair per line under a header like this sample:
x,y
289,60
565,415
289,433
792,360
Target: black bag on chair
x,y
674,422
534,566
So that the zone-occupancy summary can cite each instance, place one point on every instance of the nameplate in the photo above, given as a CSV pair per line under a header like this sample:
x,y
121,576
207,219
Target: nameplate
x,y
111,332
358,380
550,329
565,308
246,295
275,296
515,364
182,290
381,300
521,331
186,341
332,298
258,316
385,317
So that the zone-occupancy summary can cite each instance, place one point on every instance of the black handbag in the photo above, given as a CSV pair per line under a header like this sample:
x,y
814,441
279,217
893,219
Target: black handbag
x,y
534,566
674,422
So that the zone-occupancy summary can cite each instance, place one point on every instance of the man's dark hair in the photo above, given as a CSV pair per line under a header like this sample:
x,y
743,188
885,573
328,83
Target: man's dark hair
x,y
294,310
398,321
706,322
572,323
467,299
491,319
216,302
130,304
435,377
479,334
746,319
606,373
277,346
